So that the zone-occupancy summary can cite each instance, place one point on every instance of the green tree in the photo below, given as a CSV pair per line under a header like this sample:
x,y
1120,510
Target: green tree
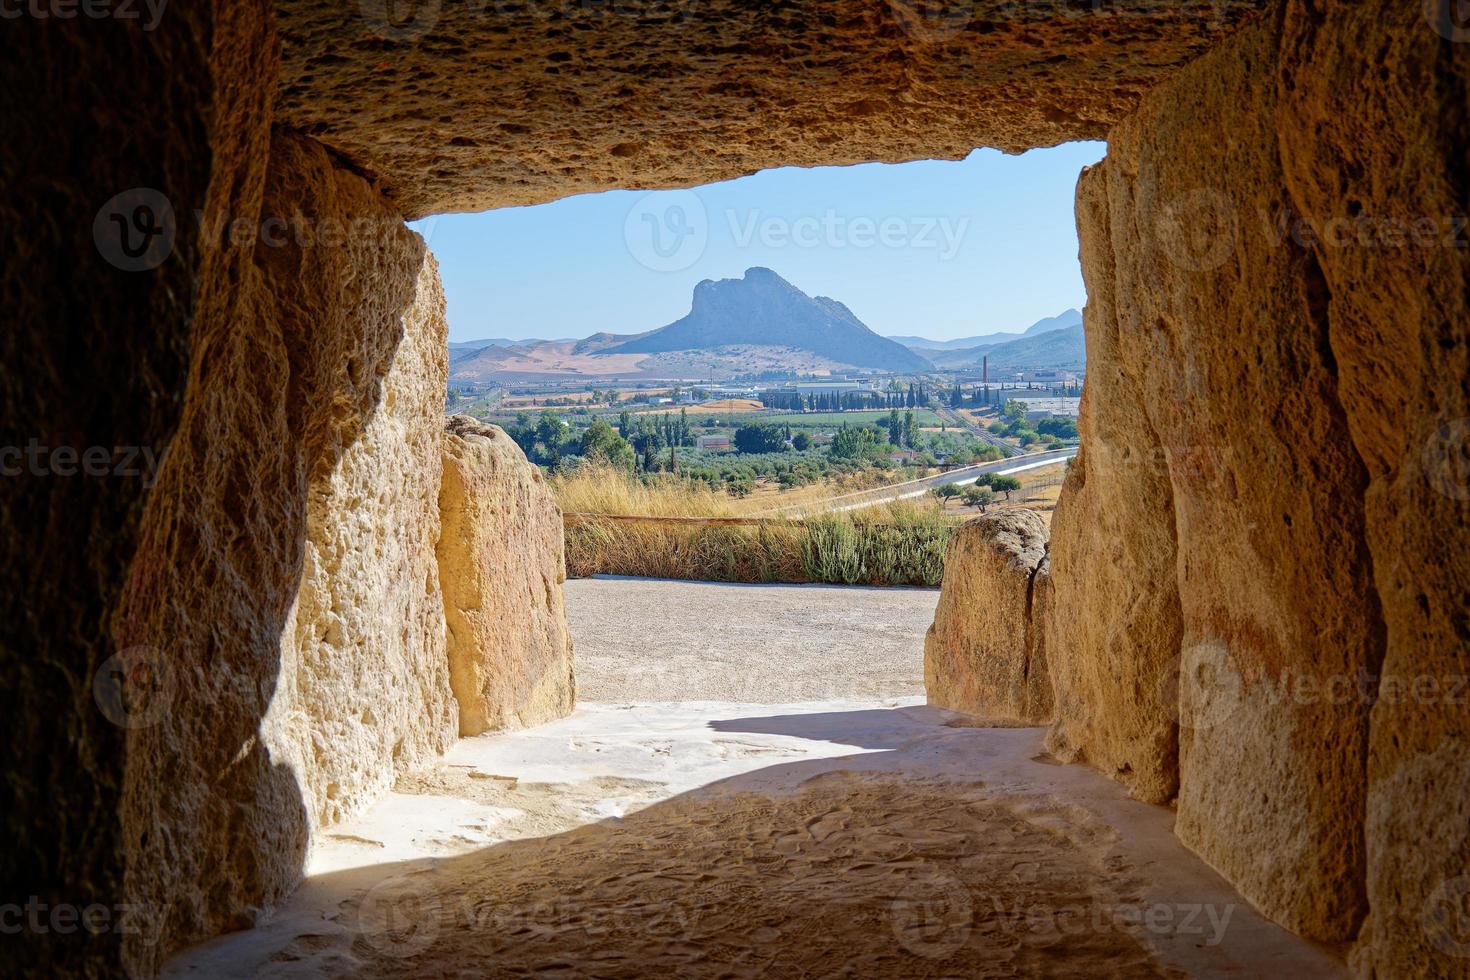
x,y
600,442
1005,485
978,496
801,442
851,442
1057,425
759,438
1014,410
946,491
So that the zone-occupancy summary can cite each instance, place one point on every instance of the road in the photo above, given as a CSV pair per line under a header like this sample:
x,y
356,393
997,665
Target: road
x,y
917,488
969,425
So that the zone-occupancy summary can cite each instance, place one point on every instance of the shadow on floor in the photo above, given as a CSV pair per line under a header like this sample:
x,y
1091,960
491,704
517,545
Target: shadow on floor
x,y
890,863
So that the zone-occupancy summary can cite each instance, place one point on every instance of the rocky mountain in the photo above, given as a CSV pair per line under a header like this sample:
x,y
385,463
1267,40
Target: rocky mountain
x,y
764,310
1052,350
922,345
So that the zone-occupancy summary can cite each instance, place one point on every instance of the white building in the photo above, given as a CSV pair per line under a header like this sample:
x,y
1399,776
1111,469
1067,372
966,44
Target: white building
x,y
1041,407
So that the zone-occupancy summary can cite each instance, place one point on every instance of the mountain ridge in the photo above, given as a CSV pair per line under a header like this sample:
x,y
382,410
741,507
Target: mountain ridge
x,y
1067,318
763,309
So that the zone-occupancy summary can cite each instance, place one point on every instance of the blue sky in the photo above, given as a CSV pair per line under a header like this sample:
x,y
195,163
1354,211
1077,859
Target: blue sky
x,y
934,248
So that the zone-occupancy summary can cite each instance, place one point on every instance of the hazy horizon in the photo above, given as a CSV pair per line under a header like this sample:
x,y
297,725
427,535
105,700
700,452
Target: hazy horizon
x,y
937,249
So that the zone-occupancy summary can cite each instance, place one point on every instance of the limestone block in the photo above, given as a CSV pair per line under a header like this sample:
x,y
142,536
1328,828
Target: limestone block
x,y
982,655
502,563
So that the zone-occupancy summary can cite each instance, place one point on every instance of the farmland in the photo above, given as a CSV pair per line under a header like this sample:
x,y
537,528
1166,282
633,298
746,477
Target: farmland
x,y
809,420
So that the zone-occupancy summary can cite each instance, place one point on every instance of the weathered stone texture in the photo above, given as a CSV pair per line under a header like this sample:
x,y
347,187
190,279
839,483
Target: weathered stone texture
x,y
93,356
467,106
982,655
1114,624
364,693
1226,334
1274,576
296,371
502,561
1374,124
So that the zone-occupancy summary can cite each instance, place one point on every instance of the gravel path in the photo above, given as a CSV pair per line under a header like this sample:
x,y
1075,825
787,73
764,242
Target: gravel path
x,y
660,640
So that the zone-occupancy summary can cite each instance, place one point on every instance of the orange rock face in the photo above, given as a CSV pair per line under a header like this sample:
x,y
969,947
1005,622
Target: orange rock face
x,y
1113,624
1374,124
1227,338
502,562
982,656
467,106
1276,316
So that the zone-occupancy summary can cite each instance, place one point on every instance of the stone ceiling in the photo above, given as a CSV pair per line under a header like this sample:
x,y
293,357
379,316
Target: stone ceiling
x,y
464,105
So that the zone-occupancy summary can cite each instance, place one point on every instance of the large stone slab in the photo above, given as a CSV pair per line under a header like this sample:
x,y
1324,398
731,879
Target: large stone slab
x,y
285,587
982,654
1114,624
1374,124
502,562
1225,337
467,106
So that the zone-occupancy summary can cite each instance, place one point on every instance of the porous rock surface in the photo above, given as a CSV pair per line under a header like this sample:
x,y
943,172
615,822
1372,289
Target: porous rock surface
x,y
982,655
94,357
1230,372
364,692
1299,360
1113,623
502,560
1374,122
277,567
466,106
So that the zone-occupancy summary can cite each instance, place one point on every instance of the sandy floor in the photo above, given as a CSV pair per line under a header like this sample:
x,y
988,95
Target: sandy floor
x,y
856,836
654,640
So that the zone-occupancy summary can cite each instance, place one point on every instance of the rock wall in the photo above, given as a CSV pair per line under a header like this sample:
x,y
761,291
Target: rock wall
x,y
95,360
364,691
1267,332
1374,124
1228,340
1114,623
502,560
982,655
303,395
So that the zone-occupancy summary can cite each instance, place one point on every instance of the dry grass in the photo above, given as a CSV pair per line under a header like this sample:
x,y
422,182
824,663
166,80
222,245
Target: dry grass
x,y
896,544
606,490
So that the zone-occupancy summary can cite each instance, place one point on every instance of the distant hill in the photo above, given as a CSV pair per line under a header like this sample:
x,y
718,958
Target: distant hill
x,y
764,310
922,345
1068,318
1062,349
494,341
